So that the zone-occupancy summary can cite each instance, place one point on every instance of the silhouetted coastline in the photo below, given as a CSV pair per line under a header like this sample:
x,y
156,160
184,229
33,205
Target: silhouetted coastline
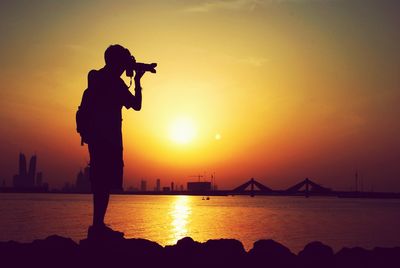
x,y
338,194
306,188
57,251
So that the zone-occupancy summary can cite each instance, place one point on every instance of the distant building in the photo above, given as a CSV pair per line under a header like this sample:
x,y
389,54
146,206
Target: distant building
x,y
166,189
83,180
45,186
200,186
158,185
20,179
132,189
22,165
172,186
28,179
143,185
39,179
32,172
67,187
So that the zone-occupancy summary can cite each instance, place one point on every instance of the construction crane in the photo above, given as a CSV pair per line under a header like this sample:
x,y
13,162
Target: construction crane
x,y
196,176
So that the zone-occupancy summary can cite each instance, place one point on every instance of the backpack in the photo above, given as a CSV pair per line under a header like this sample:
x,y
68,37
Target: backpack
x,y
84,117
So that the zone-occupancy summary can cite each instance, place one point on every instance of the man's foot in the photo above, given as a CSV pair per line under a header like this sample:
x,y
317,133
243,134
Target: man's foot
x,y
103,232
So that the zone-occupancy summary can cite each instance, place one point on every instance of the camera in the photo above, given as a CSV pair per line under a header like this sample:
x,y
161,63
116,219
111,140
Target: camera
x,y
132,65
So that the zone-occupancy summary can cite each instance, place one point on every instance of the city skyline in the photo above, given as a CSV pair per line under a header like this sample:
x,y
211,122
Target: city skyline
x,y
30,179
273,90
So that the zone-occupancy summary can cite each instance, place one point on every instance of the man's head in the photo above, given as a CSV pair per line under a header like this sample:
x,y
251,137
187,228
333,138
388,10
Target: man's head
x,y
117,58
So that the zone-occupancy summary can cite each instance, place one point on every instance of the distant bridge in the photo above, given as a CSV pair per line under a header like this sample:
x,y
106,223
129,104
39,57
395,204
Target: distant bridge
x,y
305,187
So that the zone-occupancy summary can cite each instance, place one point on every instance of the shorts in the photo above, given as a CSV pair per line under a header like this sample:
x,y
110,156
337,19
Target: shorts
x,y
106,166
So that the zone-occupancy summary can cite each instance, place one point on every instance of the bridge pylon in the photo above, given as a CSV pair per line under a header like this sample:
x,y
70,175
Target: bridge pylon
x,y
309,186
252,183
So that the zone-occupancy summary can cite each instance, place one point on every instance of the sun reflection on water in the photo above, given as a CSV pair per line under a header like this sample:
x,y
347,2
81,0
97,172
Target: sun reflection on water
x,y
179,213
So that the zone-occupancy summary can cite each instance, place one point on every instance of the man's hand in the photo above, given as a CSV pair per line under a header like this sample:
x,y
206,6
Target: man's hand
x,y
138,76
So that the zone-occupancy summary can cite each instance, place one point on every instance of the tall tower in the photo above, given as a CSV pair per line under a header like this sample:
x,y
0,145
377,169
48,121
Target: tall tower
x,y
31,172
22,165
19,180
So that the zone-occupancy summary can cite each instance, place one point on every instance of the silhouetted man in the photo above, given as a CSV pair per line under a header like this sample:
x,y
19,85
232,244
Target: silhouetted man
x,y
109,93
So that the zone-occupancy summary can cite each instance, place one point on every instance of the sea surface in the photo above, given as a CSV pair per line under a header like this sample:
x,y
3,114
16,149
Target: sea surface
x,y
292,221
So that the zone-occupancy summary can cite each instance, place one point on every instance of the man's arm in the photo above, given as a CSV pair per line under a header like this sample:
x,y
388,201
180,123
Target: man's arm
x,y
135,101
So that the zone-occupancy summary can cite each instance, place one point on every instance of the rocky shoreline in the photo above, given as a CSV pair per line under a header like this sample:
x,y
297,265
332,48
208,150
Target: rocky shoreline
x,y
56,251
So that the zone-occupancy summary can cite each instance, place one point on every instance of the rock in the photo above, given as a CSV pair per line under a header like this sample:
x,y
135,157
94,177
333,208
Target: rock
x,y
353,257
223,252
376,258
56,251
316,254
52,251
187,244
271,254
386,257
12,252
185,247
120,251
213,253
186,252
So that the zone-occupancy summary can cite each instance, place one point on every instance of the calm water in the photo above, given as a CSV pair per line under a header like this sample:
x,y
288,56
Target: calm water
x,y
293,221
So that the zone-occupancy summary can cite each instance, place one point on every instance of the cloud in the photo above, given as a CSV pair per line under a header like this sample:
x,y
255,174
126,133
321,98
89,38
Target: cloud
x,y
224,5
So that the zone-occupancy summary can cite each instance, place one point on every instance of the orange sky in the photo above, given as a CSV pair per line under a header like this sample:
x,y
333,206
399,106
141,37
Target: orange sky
x,y
294,89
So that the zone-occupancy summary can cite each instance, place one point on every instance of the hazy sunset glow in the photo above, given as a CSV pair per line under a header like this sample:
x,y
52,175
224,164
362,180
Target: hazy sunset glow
x,y
276,90
182,130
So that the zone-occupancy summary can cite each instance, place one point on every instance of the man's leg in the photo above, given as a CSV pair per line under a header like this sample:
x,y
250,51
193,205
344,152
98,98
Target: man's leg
x,y
99,229
100,193
100,204
101,161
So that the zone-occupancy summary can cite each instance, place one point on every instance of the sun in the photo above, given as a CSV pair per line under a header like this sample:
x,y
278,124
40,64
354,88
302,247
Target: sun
x,y
182,130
